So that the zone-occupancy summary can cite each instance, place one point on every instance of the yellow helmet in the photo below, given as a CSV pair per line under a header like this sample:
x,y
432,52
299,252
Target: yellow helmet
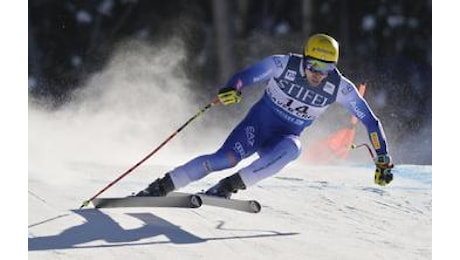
x,y
322,47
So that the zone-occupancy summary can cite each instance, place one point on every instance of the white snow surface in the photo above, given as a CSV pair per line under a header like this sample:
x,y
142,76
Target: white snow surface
x,y
308,211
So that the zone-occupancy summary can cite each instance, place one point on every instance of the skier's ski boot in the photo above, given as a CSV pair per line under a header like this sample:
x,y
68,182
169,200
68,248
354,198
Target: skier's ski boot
x,y
227,186
158,188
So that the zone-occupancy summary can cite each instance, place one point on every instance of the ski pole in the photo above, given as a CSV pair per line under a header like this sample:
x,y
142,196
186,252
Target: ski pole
x,y
213,103
354,146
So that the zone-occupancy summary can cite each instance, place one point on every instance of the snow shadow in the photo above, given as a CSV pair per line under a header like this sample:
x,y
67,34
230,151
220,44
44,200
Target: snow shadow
x,y
99,226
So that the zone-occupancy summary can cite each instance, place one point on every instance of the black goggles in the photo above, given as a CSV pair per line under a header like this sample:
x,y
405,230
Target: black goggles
x,y
318,66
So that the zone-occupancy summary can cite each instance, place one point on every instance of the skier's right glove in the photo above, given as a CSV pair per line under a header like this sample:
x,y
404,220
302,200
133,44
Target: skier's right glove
x,y
229,96
383,165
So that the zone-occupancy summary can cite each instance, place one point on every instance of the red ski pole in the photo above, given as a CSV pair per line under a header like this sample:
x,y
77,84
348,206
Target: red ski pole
x,y
354,146
213,103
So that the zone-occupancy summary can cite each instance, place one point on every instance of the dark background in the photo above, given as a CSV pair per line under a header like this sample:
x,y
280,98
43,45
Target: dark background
x,y
386,44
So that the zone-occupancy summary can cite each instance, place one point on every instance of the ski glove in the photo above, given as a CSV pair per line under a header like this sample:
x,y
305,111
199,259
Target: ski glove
x,y
383,175
228,96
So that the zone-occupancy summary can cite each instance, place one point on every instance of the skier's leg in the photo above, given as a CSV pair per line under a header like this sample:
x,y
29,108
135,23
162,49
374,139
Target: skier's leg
x,y
201,166
235,148
272,159
242,142
193,170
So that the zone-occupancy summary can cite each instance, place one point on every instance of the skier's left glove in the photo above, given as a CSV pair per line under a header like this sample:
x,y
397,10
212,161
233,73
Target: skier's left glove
x,y
383,165
229,96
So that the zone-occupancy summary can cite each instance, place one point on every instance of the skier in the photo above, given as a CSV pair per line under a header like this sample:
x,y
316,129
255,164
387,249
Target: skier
x,y
298,89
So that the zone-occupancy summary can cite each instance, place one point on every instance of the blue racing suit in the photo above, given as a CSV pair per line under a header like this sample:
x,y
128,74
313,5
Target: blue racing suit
x,y
273,125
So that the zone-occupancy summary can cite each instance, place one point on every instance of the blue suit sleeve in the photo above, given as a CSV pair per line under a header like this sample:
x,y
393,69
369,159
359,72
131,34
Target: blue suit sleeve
x,y
261,71
349,97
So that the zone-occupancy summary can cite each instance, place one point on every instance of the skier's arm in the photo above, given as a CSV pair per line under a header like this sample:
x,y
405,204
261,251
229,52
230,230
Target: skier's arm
x,y
349,97
262,71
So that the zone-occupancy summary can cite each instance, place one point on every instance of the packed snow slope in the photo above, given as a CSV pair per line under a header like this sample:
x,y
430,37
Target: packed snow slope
x,y
308,211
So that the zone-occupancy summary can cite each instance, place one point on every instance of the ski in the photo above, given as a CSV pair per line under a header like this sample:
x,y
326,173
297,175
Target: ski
x,y
179,200
184,201
251,206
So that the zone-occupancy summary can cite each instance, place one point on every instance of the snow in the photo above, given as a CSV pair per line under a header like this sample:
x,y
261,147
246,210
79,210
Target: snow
x,y
308,211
